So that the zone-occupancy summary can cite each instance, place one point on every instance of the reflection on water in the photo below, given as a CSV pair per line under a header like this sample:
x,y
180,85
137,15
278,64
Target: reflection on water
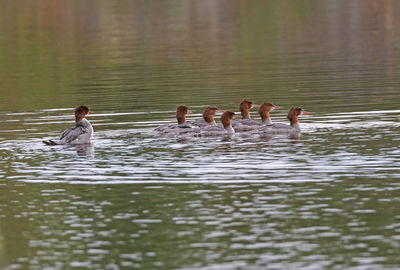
x,y
85,150
134,200
226,226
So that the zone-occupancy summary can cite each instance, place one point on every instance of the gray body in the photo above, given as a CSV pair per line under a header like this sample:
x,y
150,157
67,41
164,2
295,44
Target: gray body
x,y
178,130
184,130
81,133
217,130
246,125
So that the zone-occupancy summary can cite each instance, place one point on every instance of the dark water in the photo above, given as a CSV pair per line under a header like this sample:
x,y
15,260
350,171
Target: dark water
x,y
133,200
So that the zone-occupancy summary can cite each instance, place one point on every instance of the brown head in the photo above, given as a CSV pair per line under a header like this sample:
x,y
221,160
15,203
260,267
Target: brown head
x,y
293,114
245,107
264,110
181,112
226,118
80,112
209,113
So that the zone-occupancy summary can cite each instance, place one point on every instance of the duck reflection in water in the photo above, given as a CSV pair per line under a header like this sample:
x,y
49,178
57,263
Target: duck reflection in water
x,y
268,139
227,138
84,150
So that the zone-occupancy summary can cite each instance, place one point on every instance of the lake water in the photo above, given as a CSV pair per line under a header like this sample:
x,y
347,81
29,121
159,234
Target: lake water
x,y
134,200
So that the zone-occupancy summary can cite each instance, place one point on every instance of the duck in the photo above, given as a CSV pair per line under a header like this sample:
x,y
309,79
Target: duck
x,y
182,127
81,133
225,130
247,125
292,129
208,116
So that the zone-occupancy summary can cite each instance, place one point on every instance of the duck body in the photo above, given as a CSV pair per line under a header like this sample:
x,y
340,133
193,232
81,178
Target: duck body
x,y
220,130
172,130
172,127
284,129
246,125
202,124
182,128
81,133
208,118
250,125
278,128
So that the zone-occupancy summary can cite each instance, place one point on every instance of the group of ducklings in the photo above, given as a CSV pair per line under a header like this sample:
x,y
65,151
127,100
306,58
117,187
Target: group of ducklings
x,y
208,127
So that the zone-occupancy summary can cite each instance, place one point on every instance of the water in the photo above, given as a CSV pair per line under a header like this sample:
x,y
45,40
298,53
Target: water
x,y
133,200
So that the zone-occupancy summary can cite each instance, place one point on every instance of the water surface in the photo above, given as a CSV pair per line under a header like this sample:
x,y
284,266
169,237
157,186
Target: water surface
x,y
134,200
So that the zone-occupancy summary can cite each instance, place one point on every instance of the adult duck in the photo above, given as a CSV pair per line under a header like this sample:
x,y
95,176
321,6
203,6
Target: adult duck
x,y
81,133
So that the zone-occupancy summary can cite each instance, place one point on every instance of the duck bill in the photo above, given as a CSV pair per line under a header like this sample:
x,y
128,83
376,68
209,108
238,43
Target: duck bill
x,y
277,108
305,113
255,106
90,112
238,117
220,111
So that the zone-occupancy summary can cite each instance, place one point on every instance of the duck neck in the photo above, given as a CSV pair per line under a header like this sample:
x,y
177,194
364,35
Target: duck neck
x,y
266,118
181,119
83,122
209,118
78,118
294,122
245,113
267,121
226,123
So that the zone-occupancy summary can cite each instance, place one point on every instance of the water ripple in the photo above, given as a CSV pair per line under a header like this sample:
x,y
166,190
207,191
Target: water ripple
x,y
136,155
